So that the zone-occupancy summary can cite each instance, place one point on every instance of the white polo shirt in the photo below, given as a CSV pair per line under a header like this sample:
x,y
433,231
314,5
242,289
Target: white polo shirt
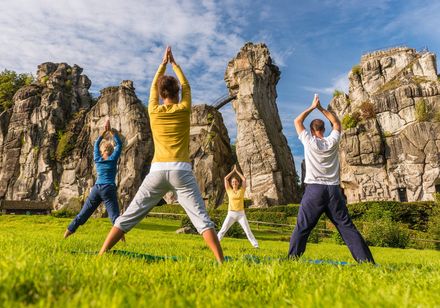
x,y
322,159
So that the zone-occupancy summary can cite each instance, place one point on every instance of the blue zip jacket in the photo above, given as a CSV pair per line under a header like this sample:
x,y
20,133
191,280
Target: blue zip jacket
x,y
107,168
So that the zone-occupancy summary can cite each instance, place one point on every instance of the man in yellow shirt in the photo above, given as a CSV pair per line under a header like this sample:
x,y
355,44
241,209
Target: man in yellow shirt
x,y
171,168
236,206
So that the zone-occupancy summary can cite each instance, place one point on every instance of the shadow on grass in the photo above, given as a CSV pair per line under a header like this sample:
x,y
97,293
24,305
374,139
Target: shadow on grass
x,y
131,255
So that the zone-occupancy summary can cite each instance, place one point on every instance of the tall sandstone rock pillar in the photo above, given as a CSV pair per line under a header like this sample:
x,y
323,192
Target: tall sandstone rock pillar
x,y
210,152
262,150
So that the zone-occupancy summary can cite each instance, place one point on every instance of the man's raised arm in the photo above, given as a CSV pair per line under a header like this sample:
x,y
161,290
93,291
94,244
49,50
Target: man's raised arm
x,y
299,120
336,124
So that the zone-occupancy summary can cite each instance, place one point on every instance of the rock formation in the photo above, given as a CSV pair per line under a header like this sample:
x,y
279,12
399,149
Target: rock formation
x,y
391,142
262,149
210,152
129,117
30,131
46,138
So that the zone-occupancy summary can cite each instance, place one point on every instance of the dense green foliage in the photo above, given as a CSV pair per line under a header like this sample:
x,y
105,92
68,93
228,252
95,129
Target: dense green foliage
x,y
39,268
383,223
415,214
65,144
422,112
350,120
10,82
337,93
356,70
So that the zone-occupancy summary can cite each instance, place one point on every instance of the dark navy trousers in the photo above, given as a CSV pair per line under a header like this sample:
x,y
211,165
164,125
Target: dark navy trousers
x,y
100,193
328,199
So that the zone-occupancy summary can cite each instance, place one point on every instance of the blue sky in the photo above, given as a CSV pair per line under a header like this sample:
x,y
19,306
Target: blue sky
x,y
315,43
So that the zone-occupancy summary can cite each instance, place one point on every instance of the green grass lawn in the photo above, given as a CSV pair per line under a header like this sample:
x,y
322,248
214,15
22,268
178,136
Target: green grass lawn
x,y
38,267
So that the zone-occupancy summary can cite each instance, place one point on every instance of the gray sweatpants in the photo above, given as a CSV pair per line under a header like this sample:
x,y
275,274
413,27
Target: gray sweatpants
x,y
158,183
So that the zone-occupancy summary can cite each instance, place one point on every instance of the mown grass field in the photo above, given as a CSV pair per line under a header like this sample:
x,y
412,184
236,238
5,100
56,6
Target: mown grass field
x,y
39,268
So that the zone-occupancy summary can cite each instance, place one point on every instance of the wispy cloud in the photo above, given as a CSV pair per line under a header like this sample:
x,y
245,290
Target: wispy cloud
x,y
340,82
122,39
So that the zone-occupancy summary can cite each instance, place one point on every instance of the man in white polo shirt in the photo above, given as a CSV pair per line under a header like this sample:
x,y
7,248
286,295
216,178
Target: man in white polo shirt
x,y
322,193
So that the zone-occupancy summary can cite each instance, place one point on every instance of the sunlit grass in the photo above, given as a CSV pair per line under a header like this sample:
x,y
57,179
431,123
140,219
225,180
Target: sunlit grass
x,y
38,267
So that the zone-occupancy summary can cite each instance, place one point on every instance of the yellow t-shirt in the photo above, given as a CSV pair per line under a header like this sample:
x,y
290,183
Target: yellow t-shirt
x,y
236,199
170,124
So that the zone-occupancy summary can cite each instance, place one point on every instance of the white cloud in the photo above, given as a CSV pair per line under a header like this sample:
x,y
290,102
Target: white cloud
x,y
340,82
421,21
122,39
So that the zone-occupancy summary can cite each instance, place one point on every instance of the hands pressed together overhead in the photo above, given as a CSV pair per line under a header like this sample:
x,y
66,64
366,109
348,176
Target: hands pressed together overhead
x,y
168,56
107,128
316,102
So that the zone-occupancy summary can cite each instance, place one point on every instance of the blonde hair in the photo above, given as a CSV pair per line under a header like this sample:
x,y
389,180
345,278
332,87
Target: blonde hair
x,y
106,146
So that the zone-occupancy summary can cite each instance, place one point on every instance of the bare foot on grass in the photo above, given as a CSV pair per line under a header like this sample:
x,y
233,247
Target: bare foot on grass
x,y
67,233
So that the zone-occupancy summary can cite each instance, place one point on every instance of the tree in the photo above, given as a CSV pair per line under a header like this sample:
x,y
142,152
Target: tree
x,y
10,82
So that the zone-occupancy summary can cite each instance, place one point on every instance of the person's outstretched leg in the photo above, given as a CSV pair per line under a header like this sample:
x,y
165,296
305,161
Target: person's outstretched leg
x,y
110,198
338,213
113,237
152,189
229,221
213,243
247,229
91,204
312,206
189,196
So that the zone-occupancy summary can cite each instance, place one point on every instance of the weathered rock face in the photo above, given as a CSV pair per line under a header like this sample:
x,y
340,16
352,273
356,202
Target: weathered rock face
x,y
29,135
128,116
46,141
262,150
392,153
210,152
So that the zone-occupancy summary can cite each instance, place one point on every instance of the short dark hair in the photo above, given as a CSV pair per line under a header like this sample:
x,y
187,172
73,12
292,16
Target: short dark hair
x,y
168,87
317,125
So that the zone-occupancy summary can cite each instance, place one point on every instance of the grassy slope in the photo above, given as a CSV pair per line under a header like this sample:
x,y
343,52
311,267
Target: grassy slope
x,y
38,267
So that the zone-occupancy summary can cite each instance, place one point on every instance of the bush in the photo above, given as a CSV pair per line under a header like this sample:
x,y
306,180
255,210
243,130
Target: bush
x,y
367,110
337,93
356,70
68,84
434,222
65,213
384,232
387,134
288,210
337,238
390,85
270,217
414,214
44,80
64,145
380,230
422,112
437,198
350,121
10,82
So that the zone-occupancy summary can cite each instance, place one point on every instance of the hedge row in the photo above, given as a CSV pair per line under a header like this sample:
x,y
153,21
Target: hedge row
x,y
415,214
